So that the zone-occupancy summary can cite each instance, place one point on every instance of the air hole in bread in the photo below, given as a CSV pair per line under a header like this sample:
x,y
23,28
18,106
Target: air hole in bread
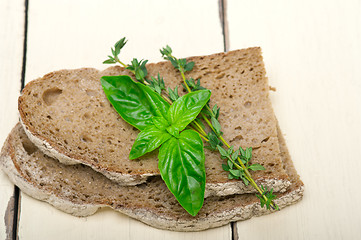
x,y
91,93
29,147
86,138
86,115
51,95
237,138
247,104
265,140
220,76
238,128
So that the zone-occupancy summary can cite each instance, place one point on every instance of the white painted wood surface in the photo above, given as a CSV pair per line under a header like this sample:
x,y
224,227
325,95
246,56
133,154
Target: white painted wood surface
x,y
312,51
11,55
74,34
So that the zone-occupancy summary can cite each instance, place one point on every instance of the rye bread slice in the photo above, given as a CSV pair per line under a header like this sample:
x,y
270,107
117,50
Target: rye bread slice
x,y
67,115
78,190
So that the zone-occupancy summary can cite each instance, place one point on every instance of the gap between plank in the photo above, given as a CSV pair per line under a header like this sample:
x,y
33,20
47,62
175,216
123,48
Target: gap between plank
x,y
17,199
25,44
234,231
224,23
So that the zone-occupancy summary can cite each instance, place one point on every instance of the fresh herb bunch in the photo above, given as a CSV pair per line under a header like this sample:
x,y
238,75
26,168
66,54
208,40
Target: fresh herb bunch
x,y
162,125
176,125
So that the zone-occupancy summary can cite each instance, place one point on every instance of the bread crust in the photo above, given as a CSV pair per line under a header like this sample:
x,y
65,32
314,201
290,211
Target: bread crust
x,y
239,207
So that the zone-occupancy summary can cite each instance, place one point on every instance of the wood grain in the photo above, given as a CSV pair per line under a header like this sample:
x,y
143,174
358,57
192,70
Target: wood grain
x,y
74,34
11,49
312,52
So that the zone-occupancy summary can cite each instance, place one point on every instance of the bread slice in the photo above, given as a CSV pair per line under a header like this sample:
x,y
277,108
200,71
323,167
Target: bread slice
x,y
78,190
67,115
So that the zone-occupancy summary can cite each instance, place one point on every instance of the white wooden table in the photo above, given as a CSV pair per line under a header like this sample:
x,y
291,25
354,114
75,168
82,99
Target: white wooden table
x,y
312,51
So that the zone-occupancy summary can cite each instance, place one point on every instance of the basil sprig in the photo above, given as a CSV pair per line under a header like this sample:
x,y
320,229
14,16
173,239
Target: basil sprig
x,y
135,103
181,155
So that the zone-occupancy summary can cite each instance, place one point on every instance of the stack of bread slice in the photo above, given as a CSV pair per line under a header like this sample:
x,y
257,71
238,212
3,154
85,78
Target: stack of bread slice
x,y
71,147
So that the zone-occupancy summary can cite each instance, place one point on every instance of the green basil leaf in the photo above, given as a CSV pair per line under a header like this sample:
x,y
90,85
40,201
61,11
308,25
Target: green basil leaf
x,y
135,103
148,140
173,131
185,109
181,165
157,104
160,123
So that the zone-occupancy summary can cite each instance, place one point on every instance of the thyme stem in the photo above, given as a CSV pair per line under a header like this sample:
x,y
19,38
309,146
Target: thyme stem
x,y
241,166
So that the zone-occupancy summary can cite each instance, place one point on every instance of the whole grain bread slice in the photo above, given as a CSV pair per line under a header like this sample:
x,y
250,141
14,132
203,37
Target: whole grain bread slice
x,y
67,115
78,190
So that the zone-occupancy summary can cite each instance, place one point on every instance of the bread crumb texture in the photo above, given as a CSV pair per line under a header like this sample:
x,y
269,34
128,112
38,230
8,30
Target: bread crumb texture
x,y
68,111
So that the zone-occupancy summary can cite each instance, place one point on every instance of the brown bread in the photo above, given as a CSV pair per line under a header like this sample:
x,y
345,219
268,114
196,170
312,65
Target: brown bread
x,y
78,190
67,115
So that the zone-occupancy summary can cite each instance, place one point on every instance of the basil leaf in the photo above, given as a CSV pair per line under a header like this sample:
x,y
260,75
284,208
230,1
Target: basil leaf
x,y
181,165
157,104
185,109
135,103
173,131
160,123
148,140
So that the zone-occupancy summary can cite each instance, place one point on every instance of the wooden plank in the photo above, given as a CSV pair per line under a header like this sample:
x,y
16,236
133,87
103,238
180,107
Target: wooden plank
x,y
312,51
11,48
73,34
